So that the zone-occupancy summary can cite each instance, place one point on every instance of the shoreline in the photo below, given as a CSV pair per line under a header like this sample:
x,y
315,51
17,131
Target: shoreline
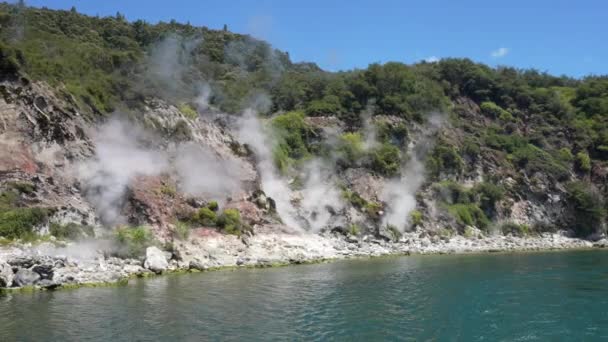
x,y
227,252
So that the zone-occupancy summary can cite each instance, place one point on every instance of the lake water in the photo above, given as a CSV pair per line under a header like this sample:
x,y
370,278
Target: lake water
x,y
504,297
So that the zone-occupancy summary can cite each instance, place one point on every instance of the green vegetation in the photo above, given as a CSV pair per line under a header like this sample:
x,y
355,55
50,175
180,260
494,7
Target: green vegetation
x,y
230,222
416,217
188,111
532,122
354,229
17,222
515,229
371,209
583,162
206,217
469,215
181,230
385,160
588,207
470,206
133,241
293,137
494,111
350,148
70,231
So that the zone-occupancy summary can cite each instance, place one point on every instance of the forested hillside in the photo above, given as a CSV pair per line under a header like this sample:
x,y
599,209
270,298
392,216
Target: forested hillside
x,y
511,135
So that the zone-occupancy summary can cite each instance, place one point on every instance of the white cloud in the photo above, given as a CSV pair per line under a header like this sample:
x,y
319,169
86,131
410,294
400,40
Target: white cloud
x,y
431,59
501,52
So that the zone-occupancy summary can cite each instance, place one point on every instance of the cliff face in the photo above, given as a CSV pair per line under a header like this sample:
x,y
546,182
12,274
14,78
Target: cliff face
x,y
151,132
71,168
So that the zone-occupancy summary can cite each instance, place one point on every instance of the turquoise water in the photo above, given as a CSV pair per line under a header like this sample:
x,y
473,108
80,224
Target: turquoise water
x,y
508,297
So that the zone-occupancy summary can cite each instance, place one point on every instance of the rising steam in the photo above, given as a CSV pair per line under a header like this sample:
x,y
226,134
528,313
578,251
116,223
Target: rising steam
x,y
400,193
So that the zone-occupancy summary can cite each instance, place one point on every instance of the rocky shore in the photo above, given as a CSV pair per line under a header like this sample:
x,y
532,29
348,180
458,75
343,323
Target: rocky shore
x,y
47,266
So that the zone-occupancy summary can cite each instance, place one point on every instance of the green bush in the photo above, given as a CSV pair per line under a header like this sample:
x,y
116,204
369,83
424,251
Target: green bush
x,y
583,162
188,111
354,229
452,193
385,160
488,194
444,158
230,222
292,135
394,134
329,105
133,241
350,148
416,217
71,231
213,205
19,223
206,217
588,208
494,111
181,230
515,229
469,215
533,159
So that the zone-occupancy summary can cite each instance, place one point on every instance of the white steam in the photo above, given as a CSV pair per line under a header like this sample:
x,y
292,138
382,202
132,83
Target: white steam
x,y
251,132
321,200
201,172
119,158
400,193
122,154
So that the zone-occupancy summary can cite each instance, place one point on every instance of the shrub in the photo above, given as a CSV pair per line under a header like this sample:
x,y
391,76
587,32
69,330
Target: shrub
x,y
515,229
416,217
533,159
181,131
70,231
354,229
19,223
444,158
469,215
213,205
452,192
188,111
395,233
181,230
329,105
488,195
395,134
583,162
385,160
588,208
292,139
230,222
350,148
565,155
205,217
23,187
492,110
133,241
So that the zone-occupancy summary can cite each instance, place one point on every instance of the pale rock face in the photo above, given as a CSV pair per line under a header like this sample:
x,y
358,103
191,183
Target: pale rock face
x,y
6,274
155,260
25,277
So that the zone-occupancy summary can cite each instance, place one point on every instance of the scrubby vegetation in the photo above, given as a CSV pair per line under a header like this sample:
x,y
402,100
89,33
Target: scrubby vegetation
x,y
524,125
17,221
229,220
70,231
133,241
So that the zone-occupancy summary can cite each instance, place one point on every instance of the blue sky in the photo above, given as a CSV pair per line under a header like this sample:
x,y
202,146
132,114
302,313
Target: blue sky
x,y
561,37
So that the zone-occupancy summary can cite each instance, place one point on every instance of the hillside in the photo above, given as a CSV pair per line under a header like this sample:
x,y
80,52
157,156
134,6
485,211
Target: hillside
x,y
155,133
